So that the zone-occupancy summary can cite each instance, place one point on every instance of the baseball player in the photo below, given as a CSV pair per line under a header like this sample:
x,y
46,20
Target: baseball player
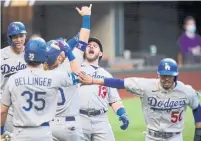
x,y
33,94
95,99
12,60
66,126
164,101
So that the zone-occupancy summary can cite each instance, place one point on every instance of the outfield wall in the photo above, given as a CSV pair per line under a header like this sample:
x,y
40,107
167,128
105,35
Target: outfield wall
x,y
188,75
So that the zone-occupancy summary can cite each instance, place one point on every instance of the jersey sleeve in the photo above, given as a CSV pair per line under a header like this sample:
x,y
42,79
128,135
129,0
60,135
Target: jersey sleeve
x,y
193,98
135,85
113,95
6,95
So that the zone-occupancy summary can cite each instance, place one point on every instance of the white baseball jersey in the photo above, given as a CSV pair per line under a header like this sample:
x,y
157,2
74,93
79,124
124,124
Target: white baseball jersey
x,y
10,64
164,110
33,94
96,96
68,99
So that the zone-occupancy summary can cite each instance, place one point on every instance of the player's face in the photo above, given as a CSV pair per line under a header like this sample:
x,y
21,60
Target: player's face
x,y
93,52
19,40
60,59
167,81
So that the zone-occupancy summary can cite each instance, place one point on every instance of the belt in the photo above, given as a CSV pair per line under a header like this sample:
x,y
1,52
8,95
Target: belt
x,y
164,135
70,118
43,124
92,112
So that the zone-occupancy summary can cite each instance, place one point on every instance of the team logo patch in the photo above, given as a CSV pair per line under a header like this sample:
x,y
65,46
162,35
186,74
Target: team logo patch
x,y
166,104
15,27
167,67
7,69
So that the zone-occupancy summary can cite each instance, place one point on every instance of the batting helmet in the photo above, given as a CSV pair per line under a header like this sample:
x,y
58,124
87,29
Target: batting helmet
x,y
168,66
35,50
94,39
53,51
13,29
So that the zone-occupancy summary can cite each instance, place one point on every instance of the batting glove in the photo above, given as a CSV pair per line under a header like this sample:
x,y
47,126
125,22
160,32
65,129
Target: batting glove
x,y
61,42
6,136
125,120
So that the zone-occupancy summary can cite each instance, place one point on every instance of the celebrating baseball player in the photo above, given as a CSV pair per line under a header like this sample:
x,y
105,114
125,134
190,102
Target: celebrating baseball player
x,y
66,126
33,95
12,60
95,99
164,101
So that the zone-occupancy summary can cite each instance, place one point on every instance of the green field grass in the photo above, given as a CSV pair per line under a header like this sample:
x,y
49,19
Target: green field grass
x,y
137,125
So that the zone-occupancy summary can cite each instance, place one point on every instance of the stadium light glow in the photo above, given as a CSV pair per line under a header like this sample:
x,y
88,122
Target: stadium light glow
x,y
31,2
19,3
6,3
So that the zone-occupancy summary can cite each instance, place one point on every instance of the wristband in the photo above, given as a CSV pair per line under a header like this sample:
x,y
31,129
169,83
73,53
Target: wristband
x,y
121,111
70,55
82,45
73,42
86,21
2,130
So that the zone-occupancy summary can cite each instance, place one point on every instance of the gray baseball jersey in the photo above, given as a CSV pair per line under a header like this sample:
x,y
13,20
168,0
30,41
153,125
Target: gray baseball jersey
x,y
68,99
67,105
96,128
96,96
10,64
164,110
33,94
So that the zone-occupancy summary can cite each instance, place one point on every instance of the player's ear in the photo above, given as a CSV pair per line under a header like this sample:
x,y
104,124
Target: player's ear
x,y
59,58
100,54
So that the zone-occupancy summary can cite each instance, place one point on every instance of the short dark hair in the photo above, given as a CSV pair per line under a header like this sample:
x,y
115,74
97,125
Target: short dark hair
x,y
33,63
94,39
188,18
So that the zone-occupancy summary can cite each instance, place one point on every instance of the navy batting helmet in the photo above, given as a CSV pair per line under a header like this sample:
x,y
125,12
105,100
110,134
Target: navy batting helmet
x,y
168,67
35,50
13,29
53,52
94,39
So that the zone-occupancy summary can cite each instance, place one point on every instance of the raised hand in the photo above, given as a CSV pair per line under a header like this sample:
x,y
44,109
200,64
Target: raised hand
x,y
125,121
85,79
85,10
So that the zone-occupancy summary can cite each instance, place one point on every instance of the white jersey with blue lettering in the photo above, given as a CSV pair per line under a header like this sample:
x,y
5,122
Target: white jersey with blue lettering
x,y
33,94
10,64
164,110
68,99
96,96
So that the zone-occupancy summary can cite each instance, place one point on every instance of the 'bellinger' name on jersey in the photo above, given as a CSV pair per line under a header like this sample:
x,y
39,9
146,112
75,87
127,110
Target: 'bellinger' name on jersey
x,y
40,81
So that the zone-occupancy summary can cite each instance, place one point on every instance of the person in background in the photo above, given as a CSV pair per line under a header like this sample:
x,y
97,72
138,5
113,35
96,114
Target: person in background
x,y
189,43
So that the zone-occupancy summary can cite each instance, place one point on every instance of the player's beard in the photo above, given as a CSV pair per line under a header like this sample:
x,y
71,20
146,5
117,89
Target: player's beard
x,y
92,59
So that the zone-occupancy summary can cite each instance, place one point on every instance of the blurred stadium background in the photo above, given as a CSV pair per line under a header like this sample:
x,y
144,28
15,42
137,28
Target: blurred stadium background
x,y
135,36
